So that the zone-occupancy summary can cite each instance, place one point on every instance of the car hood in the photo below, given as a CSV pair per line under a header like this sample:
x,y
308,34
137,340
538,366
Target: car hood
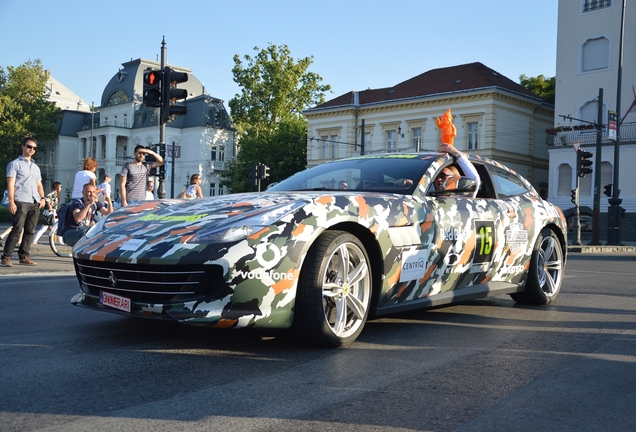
x,y
190,215
196,213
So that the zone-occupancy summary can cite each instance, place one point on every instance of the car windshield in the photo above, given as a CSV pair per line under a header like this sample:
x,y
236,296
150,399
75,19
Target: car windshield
x,y
393,173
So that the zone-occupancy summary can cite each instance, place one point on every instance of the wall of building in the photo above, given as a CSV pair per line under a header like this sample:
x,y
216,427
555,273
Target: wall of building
x,y
575,88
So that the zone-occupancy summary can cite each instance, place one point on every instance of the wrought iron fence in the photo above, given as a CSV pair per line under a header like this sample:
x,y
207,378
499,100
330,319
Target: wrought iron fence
x,y
566,135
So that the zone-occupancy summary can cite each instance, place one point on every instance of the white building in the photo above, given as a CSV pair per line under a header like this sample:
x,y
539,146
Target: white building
x,y
495,117
204,138
588,47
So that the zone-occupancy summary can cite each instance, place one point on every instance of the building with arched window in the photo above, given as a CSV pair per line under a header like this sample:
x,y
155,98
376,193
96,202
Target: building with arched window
x,y
203,141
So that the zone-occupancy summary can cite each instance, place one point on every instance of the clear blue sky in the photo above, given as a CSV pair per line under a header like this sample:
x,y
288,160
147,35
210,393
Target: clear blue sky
x,y
355,44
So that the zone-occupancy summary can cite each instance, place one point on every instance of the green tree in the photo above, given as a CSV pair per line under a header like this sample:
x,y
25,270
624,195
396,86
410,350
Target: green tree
x,y
543,87
275,89
284,151
24,110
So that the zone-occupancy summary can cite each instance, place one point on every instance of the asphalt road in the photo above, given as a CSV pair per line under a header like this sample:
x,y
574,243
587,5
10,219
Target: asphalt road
x,y
484,365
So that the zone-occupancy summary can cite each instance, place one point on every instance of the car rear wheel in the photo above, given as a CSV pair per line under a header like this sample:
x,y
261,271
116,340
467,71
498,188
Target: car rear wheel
x,y
546,271
334,293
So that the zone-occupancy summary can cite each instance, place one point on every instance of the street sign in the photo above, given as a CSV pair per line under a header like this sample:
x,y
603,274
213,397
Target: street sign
x,y
612,123
177,151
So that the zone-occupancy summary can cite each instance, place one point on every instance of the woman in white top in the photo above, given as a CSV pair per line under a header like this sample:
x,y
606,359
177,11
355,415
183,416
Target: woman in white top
x,y
194,190
85,176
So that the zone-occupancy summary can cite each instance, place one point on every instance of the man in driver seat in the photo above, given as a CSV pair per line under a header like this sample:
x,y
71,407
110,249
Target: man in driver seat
x,y
451,171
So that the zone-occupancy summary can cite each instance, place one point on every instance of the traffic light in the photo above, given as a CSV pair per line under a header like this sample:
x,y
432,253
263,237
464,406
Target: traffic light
x,y
583,163
608,190
263,171
171,94
573,195
253,175
150,159
152,88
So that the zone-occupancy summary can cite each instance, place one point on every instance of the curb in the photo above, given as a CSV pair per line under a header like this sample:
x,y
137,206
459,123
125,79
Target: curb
x,y
600,249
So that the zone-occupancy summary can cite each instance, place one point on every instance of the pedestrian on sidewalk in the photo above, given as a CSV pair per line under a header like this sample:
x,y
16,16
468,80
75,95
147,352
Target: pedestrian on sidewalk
x,y
80,216
194,190
51,202
105,188
134,175
6,232
26,198
150,190
87,175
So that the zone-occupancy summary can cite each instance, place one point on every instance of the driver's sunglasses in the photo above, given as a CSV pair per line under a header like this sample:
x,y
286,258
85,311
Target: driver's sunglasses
x,y
444,175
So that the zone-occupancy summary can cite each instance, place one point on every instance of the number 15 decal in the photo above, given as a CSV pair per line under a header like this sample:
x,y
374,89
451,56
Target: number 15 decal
x,y
484,242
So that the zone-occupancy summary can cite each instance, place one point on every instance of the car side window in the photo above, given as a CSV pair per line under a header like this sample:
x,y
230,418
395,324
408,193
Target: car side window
x,y
506,184
486,190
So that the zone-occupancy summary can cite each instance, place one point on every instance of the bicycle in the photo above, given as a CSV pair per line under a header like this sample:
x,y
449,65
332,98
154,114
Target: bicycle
x,y
57,244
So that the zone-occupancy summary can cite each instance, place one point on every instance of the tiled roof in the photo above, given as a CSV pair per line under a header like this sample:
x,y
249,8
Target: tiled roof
x,y
436,81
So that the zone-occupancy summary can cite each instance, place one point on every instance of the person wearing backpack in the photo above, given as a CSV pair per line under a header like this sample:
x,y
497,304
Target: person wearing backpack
x,y
78,218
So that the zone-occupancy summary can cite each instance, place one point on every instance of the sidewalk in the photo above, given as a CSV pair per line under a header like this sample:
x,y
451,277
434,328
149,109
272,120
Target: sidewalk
x,y
47,261
42,254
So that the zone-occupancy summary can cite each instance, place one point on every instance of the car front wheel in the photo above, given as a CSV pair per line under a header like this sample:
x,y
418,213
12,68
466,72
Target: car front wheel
x,y
545,275
334,293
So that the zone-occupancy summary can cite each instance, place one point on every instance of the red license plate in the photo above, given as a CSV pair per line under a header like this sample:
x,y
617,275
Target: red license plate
x,y
114,301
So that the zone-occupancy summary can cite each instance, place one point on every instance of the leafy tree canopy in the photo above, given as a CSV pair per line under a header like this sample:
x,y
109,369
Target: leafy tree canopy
x,y
24,110
275,89
543,87
284,151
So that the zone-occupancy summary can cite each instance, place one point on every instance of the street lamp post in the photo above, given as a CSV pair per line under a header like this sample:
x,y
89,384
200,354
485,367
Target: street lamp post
x,y
614,210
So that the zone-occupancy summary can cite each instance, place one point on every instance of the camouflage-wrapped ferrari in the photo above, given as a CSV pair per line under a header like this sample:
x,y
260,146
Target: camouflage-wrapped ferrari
x,y
328,248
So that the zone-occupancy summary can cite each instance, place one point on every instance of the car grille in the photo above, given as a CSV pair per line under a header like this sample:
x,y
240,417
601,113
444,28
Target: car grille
x,y
152,284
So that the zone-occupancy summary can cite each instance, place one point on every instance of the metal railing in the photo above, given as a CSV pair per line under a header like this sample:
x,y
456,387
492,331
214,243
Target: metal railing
x,y
566,136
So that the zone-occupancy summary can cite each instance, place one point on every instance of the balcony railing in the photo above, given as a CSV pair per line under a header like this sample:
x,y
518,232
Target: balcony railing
x,y
565,135
217,166
121,161
377,151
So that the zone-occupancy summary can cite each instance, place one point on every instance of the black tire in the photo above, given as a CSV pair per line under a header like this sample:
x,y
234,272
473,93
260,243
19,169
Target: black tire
x,y
545,275
58,249
334,292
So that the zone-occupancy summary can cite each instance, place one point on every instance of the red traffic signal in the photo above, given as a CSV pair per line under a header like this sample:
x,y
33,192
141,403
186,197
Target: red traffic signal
x,y
153,78
152,88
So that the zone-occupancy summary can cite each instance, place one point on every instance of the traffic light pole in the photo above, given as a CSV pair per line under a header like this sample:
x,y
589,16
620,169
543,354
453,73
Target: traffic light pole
x,y
161,190
577,215
596,209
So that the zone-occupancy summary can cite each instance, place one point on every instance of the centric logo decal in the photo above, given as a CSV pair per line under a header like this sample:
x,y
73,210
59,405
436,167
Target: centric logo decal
x,y
112,279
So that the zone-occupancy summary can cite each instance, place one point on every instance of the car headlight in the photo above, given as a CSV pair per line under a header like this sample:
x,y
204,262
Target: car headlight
x,y
247,226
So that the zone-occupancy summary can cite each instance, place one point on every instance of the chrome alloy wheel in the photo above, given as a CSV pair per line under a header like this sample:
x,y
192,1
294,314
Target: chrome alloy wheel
x,y
346,290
